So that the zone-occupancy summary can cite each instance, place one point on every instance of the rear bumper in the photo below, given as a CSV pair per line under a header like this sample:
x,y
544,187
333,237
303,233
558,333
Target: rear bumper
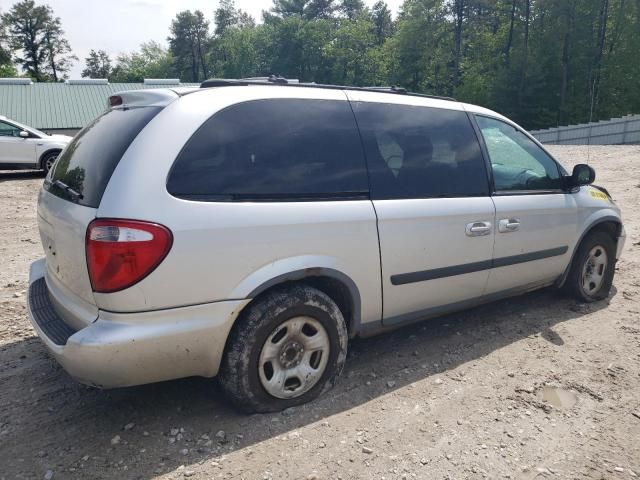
x,y
124,349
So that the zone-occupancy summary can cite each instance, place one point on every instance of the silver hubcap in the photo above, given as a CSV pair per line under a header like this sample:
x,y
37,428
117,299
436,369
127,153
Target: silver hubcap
x,y
50,161
594,270
294,357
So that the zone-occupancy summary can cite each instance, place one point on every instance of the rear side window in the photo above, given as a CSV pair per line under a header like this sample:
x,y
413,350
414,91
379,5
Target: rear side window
x,y
275,149
420,152
88,162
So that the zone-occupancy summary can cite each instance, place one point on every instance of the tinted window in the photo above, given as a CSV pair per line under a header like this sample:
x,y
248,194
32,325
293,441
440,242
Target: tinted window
x,y
89,160
517,162
8,130
420,152
273,149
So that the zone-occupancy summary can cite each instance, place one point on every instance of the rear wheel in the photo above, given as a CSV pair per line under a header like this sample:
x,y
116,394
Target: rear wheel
x,y
593,268
286,349
48,160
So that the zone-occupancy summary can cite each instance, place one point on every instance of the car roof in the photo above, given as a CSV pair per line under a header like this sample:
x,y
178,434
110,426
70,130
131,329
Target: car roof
x,y
392,94
277,87
274,80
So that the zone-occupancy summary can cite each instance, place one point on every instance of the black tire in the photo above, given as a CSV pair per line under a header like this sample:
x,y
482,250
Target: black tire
x,y
47,161
574,283
239,374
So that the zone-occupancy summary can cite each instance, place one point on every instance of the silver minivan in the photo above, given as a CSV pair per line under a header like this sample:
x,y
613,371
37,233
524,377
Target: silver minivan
x,y
248,229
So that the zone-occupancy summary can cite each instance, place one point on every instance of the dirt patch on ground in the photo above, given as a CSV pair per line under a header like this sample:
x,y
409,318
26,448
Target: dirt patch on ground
x,y
458,397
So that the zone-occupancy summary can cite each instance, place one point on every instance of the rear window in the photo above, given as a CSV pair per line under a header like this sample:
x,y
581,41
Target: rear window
x,y
88,162
275,149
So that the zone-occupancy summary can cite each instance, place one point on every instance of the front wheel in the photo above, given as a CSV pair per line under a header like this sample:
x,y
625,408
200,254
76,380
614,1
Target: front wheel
x,y
286,349
48,160
591,275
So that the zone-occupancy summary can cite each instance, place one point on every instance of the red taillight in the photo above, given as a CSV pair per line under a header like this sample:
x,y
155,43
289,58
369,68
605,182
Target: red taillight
x,y
120,253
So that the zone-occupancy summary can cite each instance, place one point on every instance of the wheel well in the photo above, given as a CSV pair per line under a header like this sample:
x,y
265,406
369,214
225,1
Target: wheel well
x,y
611,228
337,290
44,155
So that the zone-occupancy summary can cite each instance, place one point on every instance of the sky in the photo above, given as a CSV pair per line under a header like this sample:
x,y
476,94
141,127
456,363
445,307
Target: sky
x,y
119,26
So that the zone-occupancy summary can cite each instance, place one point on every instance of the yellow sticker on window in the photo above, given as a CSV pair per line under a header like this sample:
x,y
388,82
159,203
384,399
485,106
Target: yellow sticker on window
x,y
597,194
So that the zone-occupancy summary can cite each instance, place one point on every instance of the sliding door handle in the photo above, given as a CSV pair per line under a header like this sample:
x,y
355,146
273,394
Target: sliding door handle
x,y
507,225
478,229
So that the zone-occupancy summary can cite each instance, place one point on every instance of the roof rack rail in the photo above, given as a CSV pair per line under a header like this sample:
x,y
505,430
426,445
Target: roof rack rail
x,y
391,89
268,80
278,80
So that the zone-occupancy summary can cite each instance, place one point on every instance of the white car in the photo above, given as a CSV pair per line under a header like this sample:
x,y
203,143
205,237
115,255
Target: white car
x,y
26,147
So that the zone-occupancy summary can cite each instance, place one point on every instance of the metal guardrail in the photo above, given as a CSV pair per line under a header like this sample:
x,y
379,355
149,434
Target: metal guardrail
x,y
617,131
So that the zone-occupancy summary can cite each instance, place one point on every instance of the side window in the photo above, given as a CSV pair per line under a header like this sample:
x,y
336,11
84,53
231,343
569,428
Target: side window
x,y
420,152
273,150
517,162
8,130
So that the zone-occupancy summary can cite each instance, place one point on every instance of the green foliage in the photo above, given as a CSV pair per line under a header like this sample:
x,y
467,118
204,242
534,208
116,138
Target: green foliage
x,y
225,16
98,65
7,69
382,21
152,61
354,55
236,53
352,9
419,52
541,62
36,40
188,43
288,8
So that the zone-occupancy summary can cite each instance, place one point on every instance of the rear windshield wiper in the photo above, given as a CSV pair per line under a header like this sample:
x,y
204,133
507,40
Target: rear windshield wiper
x,y
73,193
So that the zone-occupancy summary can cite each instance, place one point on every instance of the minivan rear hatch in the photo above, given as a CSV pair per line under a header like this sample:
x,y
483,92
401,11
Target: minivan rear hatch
x,y
69,201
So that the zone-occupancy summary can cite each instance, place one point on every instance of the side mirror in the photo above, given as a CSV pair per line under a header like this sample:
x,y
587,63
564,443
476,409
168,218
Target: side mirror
x,y
582,174
24,134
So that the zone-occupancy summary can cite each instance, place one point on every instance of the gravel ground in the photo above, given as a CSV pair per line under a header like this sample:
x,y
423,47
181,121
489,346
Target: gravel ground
x,y
462,396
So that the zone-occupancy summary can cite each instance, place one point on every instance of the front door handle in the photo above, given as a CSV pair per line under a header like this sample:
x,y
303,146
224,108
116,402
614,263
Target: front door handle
x,y
478,229
507,225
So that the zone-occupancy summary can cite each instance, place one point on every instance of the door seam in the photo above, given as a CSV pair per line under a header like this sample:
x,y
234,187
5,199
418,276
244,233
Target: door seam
x,y
493,248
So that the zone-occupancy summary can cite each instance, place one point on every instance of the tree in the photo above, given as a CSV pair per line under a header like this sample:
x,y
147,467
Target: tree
x,y
382,21
596,68
59,56
459,16
37,39
525,50
237,53
152,61
227,16
419,51
6,65
319,9
7,69
188,44
352,8
98,65
353,55
287,8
